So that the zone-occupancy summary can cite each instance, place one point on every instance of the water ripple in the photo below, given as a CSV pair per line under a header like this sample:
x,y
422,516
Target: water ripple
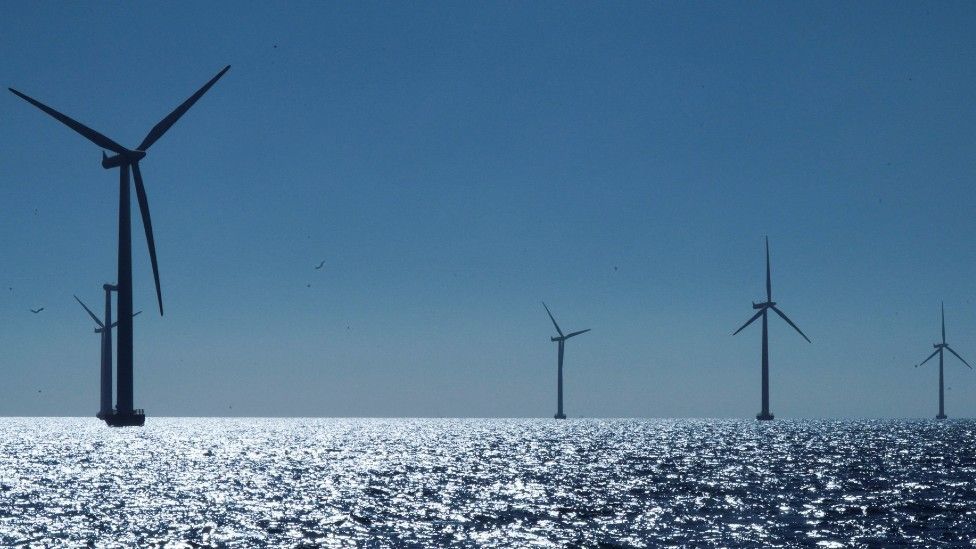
x,y
594,483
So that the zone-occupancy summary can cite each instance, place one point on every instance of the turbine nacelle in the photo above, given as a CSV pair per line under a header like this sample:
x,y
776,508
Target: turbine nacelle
x,y
940,345
109,162
765,305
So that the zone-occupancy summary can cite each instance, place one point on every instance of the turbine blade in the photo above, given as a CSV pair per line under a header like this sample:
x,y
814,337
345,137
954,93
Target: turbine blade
x,y
553,319
90,313
928,359
790,322
577,333
769,284
84,130
959,357
147,224
943,322
165,124
751,320
116,323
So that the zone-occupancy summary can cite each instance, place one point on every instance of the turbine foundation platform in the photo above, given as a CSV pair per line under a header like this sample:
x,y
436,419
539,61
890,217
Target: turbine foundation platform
x,y
560,416
135,418
941,416
765,417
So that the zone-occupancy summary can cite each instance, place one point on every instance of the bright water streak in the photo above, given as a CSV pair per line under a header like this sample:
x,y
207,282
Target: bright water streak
x,y
612,483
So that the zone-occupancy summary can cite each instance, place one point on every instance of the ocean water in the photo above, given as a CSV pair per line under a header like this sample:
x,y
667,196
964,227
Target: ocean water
x,y
469,482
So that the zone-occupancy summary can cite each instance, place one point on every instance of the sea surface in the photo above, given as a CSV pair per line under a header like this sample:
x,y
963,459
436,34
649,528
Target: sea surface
x,y
181,482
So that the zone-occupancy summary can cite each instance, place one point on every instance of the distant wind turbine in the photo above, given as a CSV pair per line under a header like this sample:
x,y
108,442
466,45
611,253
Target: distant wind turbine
x,y
562,342
763,309
105,400
939,350
126,160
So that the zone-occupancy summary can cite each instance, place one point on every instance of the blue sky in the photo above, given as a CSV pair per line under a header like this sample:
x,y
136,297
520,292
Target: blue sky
x,y
455,164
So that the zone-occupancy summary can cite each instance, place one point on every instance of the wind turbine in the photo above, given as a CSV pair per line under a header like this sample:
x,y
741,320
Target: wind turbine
x,y
126,160
763,310
939,350
562,343
105,402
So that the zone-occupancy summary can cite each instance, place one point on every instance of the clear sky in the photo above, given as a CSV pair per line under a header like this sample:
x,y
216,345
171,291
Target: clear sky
x,y
456,163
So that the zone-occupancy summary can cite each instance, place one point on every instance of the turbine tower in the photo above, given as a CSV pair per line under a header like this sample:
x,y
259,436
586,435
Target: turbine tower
x,y
562,343
939,350
105,400
763,309
126,160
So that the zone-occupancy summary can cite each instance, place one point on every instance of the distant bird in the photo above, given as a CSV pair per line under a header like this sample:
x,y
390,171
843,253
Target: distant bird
x,y
763,310
35,311
320,265
940,348
562,342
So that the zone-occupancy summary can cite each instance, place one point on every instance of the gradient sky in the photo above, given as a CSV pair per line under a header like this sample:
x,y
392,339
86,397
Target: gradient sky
x,y
454,164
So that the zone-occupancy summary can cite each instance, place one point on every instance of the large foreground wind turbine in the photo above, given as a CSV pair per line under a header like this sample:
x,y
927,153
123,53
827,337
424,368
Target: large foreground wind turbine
x,y
939,350
562,343
763,309
128,159
105,330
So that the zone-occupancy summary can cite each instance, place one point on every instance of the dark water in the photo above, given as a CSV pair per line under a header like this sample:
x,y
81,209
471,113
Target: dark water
x,y
611,483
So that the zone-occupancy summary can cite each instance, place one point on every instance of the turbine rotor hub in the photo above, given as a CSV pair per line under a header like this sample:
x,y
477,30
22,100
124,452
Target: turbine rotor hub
x,y
117,160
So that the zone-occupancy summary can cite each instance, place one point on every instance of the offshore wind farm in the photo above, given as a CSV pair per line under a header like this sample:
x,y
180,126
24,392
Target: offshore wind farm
x,y
560,341
124,414
762,311
358,223
104,329
940,349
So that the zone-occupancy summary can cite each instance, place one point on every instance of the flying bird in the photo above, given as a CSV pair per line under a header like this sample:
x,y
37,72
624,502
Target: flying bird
x,y
35,311
320,265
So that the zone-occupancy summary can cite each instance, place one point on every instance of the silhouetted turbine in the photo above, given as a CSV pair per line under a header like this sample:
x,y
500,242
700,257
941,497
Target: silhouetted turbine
x,y
126,159
763,309
939,349
562,342
105,397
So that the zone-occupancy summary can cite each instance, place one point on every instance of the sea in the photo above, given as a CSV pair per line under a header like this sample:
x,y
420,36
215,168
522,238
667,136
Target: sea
x,y
269,482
